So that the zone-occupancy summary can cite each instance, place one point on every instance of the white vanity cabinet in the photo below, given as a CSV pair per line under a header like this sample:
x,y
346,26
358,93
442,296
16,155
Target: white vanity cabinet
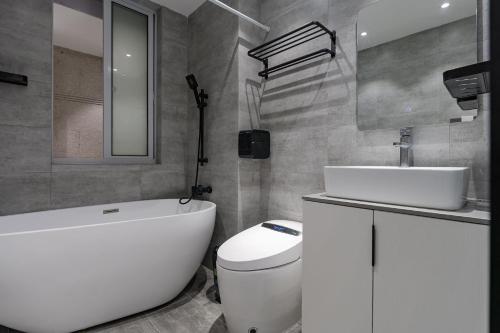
x,y
337,269
368,271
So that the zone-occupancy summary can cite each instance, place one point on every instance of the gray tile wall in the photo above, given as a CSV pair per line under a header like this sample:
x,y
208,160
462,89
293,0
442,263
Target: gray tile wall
x,y
310,109
249,171
311,112
218,48
25,117
400,83
28,180
213,59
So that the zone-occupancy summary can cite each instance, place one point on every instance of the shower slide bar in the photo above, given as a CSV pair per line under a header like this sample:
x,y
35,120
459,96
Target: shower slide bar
x,y
241,15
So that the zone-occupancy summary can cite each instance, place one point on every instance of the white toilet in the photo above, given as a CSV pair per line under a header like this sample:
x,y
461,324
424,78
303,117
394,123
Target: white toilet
x,y
260,276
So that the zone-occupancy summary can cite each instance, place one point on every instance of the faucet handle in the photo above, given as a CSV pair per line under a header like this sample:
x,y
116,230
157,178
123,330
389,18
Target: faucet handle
x,y
401,144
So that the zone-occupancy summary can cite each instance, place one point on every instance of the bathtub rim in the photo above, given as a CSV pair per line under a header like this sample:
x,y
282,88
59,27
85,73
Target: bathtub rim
x,y
212,206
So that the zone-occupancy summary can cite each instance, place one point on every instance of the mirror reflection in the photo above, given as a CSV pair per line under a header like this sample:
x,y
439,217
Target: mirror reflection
x,y
404,47
78,81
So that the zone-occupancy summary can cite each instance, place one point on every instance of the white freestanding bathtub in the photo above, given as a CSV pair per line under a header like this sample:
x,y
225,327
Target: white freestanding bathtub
x,y
69,269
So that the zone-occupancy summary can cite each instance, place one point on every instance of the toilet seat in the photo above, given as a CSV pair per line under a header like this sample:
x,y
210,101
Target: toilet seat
x,y
259,248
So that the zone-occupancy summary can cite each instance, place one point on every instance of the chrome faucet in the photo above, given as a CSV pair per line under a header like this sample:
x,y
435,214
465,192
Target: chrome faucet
x,y
405,144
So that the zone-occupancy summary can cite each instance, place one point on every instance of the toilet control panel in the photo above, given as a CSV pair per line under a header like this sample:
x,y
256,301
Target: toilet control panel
x,y
280,228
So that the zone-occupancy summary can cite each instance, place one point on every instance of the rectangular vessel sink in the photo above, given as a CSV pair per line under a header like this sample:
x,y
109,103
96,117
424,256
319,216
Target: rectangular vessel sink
x,y
439,188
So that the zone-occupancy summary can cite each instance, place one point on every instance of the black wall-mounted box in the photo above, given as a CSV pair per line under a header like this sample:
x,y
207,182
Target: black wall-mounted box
x,y
254,144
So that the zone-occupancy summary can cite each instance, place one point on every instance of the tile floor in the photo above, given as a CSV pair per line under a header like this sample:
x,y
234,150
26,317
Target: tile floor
x,y
193,311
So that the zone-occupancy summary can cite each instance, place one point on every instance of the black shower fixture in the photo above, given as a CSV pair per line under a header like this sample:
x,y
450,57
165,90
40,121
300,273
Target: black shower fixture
x,y
192,81
193,85
200,97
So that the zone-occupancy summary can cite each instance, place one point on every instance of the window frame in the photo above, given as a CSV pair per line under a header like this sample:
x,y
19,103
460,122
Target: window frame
x,y
108,157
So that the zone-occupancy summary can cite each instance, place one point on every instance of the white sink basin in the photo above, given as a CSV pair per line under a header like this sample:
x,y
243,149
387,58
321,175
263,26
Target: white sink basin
x,y
440,188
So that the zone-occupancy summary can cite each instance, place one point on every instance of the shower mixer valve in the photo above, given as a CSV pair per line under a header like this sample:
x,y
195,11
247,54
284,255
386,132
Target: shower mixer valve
x,y
200,189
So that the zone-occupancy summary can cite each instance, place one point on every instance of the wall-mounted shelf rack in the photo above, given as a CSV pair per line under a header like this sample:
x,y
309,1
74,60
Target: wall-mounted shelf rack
x,y
466,83
13,78
290,40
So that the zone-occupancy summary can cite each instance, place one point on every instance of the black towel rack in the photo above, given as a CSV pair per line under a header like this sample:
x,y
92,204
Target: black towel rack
x,y
13,78
290,40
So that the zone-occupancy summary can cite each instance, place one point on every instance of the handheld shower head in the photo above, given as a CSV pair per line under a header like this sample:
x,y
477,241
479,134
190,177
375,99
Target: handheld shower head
x,y
191,80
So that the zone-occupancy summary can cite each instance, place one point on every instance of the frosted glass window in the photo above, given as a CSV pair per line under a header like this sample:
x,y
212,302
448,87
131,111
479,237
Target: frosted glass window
x,y
129,106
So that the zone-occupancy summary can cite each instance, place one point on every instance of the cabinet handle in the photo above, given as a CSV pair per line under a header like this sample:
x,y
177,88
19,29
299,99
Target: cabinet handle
x,y
373,245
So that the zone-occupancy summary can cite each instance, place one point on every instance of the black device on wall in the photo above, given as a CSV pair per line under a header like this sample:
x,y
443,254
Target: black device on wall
x,y
466,83
214,268
18,79
254,144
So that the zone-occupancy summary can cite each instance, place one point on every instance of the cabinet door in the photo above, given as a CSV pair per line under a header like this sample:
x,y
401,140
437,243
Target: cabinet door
x,y
337,278
430,275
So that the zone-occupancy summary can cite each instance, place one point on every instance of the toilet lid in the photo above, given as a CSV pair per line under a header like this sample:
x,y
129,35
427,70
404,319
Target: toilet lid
x,y
266,245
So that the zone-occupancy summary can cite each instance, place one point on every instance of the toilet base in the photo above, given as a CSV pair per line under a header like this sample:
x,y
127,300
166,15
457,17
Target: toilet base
x,y
268,300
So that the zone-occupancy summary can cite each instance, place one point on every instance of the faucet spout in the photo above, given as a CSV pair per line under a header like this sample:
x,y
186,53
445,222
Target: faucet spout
x,y
401,145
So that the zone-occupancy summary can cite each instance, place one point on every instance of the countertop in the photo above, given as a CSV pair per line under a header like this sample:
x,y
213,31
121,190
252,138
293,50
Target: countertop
x,y
470,213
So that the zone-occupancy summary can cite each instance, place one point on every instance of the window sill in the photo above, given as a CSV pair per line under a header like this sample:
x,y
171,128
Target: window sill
x,y
114,161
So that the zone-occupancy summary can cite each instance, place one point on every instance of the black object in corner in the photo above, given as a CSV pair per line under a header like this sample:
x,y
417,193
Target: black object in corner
x,y
466,83
18,79
216,282
254,144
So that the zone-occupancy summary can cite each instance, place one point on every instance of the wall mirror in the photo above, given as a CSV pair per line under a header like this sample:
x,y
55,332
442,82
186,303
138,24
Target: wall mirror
x,y
404,46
